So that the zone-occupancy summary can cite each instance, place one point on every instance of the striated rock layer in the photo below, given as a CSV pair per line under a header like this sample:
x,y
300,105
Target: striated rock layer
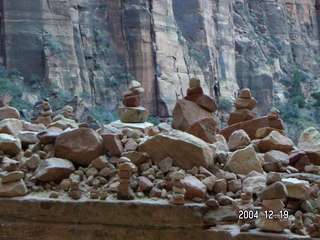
x,y
96,47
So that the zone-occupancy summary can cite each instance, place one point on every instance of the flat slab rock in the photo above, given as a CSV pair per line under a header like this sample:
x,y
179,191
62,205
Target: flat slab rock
x,y
140,126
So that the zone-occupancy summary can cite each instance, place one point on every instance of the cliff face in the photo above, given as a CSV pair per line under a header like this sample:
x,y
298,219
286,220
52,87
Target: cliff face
x,y
94,48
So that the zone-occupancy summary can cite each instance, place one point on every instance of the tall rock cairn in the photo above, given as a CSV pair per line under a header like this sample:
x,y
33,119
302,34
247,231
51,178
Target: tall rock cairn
x,y
244,105
179,190
68,112
46,113
133,112
125,170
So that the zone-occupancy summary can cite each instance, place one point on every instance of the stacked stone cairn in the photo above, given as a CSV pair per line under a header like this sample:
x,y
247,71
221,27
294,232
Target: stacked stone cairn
x,y
68,112
46,113
5,100
125,170
244,106
133,112
179,190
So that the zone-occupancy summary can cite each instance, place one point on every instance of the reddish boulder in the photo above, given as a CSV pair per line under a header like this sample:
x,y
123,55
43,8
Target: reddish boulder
x,y
9,112
275,141
49,135
241,115
205,129
194,187
112,143
203,101
80,146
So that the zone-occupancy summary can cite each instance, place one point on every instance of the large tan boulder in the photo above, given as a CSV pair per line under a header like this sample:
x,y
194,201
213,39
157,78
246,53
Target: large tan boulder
x,y
9,144
297,188
205,129
238,139
309,139
186,113
53,169
13,189
184,149
9,112
275,141
243,161
11,126
80,146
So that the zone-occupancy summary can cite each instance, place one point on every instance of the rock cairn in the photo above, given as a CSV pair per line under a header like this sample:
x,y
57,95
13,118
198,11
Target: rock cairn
x,y
125,170
5,100
46,113
244,105
68,112
133,112
178,188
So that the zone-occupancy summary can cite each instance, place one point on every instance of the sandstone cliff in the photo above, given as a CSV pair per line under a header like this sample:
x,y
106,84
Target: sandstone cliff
x,y
94,48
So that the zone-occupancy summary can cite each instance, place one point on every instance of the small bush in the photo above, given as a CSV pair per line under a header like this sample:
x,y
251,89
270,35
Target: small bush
x,y
102,115
225,104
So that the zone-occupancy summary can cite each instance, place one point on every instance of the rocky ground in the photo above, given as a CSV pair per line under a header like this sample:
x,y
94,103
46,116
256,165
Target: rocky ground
x,y
251,167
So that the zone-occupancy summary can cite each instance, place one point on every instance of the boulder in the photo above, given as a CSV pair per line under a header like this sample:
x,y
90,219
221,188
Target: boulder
x,y
63,124
184,149
203,101
27,138
271,225
112,143
194,187
53,169
49,135
100,162
11,176
186,113
133,114
309,139
275,141
242,103
251,126
276,205
265,131
13,189
9,112
238,139
145,184
143,127
204,129
299,189
276,190
80,146
277,157
11,126
136,158
32,127
241,115
243,161
9,144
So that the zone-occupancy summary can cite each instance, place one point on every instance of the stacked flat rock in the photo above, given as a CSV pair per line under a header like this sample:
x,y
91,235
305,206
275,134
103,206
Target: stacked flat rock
x,y
244,105
46,113
179,190
195,94
5,110
125,169
132,112
68,112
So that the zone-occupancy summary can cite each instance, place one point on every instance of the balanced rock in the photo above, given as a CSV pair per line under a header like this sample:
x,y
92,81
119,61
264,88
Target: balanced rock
x,y
241,115
80,146
9,112
238,139
133,114
46,113
53,169
184,149
309,139
275,141
243,161
13,189
9,144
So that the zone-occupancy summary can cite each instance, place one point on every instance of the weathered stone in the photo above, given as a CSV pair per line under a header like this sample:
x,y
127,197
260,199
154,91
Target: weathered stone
x,y
276,190
133,114
238,139
165,164
11,126
186,113
165,127
131,145
184,149
253,184
194,187
100,162
112,143
204,129
245,93
299,189
145,184
220,186
277,156
194,83
210,182
9,112
275,141
309,139
11,176
271,225
273,177
241,115
134,84
141,127
49,135
276,205
241,103
9,144
136,158
203,101
9,164
64,123
234,185
80,146
13,189
265,131
53,169
132,101
273,113
179,175
243,161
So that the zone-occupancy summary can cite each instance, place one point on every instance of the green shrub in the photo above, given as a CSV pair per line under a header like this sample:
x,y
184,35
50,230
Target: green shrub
x,y
225,104
103,116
